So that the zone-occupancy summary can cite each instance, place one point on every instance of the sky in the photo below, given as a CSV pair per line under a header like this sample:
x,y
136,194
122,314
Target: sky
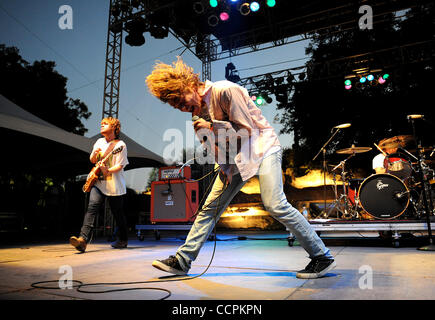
x,y
79,54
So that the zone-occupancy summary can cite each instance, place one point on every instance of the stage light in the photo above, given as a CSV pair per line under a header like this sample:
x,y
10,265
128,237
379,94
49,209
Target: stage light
x,y
381,80
224,16
259,101
198,7
213,3
159,32
385,76
244,9
255,6
213,21
271,3
370,77
363,79
347,82
135,39
135,29
347,87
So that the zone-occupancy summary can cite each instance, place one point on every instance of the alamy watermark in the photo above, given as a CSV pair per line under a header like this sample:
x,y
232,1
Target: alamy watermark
x,y
66,280
366,20
65,22
366,280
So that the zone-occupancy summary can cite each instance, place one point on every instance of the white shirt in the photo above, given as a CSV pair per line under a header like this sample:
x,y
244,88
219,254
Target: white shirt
x,y
114,183
378,161
232,109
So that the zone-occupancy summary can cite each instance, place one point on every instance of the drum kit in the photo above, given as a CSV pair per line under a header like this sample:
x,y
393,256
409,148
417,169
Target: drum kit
x,y
405,189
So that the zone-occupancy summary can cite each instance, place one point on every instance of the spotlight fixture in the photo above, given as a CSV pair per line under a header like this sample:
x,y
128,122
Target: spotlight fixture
x,y
213,3
271,3
245,9
159,32
254,6
259,101
224,16
213,21
231,74
135,29
135,39
198,7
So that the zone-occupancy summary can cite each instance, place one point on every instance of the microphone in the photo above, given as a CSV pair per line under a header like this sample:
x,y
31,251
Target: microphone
x,y
415,116
342,126
399,195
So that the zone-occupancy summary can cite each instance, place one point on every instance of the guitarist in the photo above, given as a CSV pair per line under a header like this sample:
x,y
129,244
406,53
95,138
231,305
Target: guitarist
x,y
110,184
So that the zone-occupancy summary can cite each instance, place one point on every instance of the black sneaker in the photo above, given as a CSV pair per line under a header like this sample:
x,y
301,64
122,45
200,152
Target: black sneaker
x,y
170,265
316,268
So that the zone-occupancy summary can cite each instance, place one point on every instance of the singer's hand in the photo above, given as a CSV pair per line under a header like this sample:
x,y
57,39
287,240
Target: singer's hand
x,y
201,124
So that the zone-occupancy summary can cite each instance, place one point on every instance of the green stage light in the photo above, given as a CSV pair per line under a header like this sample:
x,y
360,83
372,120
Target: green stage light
x,y
213,3
259,101
348,82
271,3
385,76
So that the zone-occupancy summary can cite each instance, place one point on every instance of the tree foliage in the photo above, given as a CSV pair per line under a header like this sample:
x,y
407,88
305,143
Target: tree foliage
x,y
41,90
404,48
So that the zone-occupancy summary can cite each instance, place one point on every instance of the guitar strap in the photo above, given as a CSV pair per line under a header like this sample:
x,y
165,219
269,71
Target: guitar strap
x,y
110,148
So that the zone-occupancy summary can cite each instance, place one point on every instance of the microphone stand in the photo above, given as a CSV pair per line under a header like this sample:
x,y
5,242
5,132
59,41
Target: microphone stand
x,y
323,150
430,246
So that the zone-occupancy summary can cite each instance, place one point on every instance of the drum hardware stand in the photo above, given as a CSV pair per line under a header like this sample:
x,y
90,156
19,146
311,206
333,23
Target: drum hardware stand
x,y
337,202
323,150
430,246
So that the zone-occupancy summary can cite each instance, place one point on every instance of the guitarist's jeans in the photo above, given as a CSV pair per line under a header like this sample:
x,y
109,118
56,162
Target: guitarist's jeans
x,y
274,200
96,199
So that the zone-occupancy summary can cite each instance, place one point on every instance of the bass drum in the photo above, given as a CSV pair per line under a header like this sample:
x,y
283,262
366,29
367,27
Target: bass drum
x,y
383,196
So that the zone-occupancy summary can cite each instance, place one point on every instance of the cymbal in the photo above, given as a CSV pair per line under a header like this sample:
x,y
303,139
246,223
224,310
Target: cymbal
x,y
396,142
353,149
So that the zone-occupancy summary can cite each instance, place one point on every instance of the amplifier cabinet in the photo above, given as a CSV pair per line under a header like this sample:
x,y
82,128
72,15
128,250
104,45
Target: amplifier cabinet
x,y
174,200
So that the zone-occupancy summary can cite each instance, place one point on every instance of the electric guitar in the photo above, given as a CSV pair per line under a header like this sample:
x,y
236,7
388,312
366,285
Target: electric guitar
x,y
93,175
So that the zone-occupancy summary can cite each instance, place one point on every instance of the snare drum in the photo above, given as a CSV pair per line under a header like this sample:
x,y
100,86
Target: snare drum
x,y
399,165
383,196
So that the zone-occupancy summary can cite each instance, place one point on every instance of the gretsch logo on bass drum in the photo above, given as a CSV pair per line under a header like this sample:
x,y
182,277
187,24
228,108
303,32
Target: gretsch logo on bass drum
x,y
380,185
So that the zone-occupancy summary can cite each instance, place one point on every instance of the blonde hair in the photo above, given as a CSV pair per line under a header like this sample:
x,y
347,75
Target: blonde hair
x,y
114,123
169,82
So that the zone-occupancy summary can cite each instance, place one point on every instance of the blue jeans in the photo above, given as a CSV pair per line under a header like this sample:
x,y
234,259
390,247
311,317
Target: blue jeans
x,y
274,200
116,203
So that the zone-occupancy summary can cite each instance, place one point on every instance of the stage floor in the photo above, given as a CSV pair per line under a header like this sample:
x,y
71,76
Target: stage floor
x,y
262,267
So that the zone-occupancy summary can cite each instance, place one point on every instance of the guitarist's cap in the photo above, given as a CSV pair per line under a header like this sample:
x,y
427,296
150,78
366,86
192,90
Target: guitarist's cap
x,y
114,123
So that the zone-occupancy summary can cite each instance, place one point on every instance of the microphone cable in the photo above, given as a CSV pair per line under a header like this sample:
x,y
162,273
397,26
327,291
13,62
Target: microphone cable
x,y
79,284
